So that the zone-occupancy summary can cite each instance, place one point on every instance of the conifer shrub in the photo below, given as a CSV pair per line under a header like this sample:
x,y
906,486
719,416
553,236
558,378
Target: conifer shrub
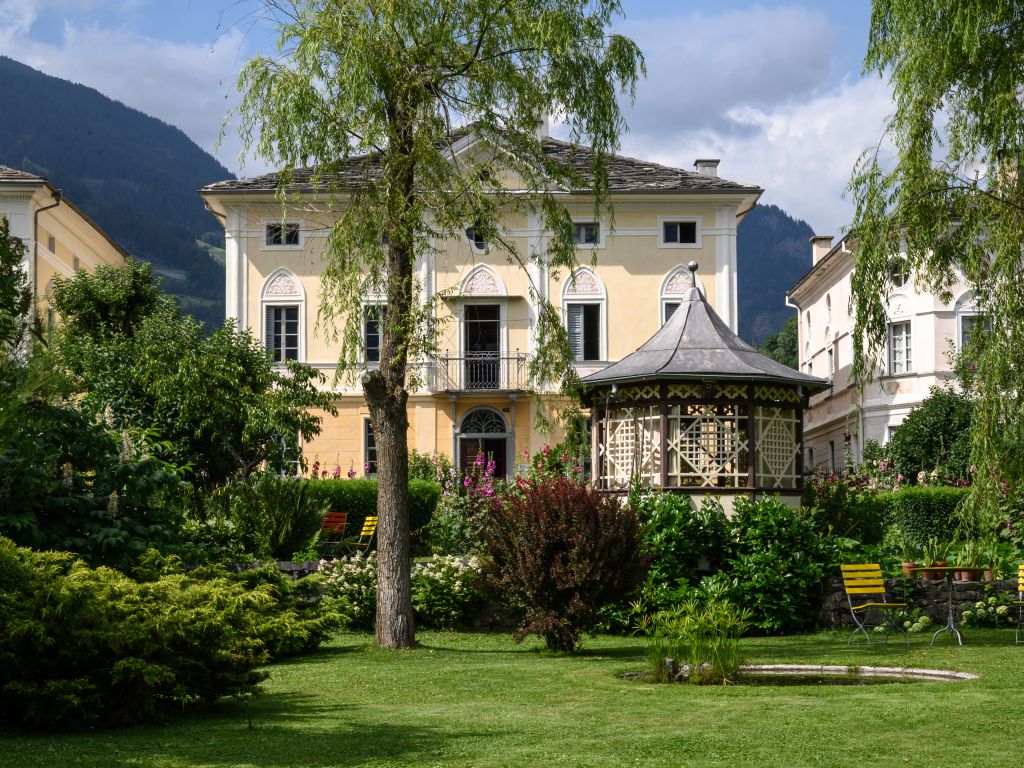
x,y
82,645
558,552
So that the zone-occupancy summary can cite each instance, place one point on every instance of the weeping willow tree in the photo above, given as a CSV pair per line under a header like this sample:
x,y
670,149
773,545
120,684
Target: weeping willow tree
x,y
949,199
370,103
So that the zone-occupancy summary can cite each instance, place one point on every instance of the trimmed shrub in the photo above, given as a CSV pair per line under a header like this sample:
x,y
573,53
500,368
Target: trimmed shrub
x,y
359,499
84,645
559,551
924,512
779,564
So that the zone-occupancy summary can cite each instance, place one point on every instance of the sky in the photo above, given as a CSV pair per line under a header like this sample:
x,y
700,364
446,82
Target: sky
x,y
774,90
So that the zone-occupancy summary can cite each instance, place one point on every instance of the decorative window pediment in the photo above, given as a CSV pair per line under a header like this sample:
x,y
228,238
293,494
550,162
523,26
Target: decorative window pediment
x,y
483,281
583,282
282,285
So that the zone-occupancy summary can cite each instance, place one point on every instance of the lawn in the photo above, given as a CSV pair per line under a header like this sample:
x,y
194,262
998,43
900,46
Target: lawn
x,y
480,700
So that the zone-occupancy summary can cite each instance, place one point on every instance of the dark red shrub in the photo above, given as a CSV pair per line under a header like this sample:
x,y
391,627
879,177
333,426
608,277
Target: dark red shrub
x,y
559,551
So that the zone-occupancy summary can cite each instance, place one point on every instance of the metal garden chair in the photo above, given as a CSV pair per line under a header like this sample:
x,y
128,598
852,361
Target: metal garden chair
x,y
864,582
332,533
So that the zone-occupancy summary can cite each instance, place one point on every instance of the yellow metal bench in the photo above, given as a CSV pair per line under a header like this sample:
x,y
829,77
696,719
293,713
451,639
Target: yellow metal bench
x,y
864,583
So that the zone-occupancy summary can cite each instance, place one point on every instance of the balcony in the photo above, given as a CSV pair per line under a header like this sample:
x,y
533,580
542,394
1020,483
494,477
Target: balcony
x,y
480,372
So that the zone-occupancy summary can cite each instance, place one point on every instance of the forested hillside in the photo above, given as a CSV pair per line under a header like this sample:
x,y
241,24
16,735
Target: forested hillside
x,y
133,174
773,251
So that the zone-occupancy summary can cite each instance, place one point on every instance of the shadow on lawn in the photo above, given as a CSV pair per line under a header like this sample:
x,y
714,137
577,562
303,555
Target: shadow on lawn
x,y
288,731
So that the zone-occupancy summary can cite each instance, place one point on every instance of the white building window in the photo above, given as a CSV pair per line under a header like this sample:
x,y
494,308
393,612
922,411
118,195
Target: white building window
x,y
679,232
475,236
282,234
584,325
668,308
282,332
284,307
969,323
674,288
373,330
901,358
586,233
583,304
369,448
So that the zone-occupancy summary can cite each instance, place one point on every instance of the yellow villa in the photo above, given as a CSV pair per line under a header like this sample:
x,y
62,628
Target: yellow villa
x,y
60,239
473,395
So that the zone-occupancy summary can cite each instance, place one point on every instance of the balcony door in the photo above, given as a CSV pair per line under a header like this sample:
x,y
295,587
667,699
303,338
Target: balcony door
x,y
482,346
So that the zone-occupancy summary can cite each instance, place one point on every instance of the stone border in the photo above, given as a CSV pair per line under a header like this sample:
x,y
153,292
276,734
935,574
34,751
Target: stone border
x,y
926,675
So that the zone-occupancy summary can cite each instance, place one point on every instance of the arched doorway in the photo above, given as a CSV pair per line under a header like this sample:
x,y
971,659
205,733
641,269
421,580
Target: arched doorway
x,y
483,431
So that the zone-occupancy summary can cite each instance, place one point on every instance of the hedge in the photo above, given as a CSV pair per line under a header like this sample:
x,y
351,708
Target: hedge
x,y
359,499
924,512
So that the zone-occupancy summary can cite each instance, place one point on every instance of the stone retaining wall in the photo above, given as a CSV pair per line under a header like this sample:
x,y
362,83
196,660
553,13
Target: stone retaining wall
x,y
930,596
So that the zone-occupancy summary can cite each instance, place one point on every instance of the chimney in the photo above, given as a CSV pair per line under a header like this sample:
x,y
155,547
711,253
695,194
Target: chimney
x,y
707,167
543,127
820,245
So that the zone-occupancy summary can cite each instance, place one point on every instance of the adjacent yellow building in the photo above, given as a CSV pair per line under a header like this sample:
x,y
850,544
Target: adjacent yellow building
x,y
473,396
59,238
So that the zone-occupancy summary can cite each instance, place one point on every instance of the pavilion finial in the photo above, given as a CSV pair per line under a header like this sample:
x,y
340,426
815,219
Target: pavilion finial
x,y
692,266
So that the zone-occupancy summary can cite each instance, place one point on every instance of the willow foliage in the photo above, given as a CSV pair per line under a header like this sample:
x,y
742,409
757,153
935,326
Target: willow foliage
x,y
952,202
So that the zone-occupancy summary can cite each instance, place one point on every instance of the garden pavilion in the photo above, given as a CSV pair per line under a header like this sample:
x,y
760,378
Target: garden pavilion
x,y
697,410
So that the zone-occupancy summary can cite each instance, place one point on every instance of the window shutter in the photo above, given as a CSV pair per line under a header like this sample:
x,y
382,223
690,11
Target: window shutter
x,y
268,336
574,323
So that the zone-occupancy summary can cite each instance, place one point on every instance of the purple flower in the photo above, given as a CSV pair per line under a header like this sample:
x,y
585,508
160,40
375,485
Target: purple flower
x,y
479,460
366,467
351,474
467,481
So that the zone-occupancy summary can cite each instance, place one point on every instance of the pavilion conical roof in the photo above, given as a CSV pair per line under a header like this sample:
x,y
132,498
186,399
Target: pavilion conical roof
x,y
696,343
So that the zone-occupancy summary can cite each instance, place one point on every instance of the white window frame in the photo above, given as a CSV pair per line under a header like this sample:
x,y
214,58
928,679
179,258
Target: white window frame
x,y
601,325
601,299
297,299
367,434
960,317
264,223
699,235
363,307
664,307
283,305
908,359
600,244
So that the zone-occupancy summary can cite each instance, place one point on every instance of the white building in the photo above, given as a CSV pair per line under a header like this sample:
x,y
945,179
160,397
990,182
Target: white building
x,y
923,334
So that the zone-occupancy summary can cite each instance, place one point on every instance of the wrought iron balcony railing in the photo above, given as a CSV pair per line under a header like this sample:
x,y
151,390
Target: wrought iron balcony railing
x,y
480,372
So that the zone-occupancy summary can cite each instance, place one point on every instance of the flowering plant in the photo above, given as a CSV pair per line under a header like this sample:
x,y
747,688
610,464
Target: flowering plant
x,y
993,610
458,523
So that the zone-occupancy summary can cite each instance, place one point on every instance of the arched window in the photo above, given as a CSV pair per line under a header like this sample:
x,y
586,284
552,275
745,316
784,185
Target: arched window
x,y
483,421
828,308
284,310
484,441
674,288
584,305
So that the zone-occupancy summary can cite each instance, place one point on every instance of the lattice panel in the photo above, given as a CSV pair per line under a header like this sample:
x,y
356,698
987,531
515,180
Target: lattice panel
x,y
631,447
706,446
777,447
684,391
646,392
778,394
731,391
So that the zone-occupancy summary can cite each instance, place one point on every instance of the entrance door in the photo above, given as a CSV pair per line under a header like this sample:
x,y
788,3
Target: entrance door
x,y
482,346
492,448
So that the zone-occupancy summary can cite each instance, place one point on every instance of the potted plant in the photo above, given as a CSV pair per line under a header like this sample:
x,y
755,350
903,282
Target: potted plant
x,y
970,554
908,553
935,553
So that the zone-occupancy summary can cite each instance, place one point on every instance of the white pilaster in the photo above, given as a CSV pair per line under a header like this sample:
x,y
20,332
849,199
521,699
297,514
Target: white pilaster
x,y
725,266
537,272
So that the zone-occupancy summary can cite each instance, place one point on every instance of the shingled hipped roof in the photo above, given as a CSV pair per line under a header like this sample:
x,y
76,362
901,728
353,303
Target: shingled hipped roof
x,y
625,175
696,344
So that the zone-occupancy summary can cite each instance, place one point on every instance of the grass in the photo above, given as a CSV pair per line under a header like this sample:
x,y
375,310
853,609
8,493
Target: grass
x,y
480,700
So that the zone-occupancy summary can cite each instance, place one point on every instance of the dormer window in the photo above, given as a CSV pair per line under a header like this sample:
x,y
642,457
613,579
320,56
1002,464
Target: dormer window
x,y
679,233
586,232
282,234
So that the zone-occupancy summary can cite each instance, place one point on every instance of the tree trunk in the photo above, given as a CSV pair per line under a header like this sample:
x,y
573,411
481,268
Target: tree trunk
x,y
387,399
394,620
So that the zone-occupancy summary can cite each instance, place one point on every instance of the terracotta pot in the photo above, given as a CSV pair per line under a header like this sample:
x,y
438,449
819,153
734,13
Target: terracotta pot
x,y
908,569
963,575
986,575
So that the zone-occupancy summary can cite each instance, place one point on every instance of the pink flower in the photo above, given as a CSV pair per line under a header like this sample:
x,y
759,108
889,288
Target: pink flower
x,y
545,450
479,460
526,454
366,467
351,474
467,481
337,471
323,475
899,478
565,458
540,465
578,469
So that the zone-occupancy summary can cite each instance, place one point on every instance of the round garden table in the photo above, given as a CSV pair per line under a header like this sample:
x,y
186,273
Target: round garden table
x,y
947,572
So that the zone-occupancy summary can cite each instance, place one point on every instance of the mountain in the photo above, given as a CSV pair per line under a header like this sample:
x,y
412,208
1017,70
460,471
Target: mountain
x,y
132,174
773,251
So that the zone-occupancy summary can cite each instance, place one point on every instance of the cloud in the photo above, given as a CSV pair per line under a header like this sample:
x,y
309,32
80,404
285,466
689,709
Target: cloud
x,y
801,153
702,67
